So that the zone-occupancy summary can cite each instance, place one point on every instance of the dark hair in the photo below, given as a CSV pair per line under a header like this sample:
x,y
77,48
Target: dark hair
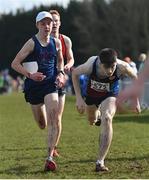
x,y
107,56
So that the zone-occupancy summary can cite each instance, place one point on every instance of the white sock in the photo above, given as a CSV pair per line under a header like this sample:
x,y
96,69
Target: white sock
x,y
101,162
50,158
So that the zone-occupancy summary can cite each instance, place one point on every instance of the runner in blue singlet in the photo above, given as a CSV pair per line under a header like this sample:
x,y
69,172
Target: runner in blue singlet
x,y
41,84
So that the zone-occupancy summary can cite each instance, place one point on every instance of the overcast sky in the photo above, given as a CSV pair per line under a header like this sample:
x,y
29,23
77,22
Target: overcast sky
x,y
7,6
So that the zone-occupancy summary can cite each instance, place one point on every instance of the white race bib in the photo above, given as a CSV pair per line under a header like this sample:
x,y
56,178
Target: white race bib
x,y
98,86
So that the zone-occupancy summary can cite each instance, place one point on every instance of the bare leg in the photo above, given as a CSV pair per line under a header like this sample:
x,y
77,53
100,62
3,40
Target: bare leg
x,y
108,109
92,113
60,113
98,112
51,103
39,113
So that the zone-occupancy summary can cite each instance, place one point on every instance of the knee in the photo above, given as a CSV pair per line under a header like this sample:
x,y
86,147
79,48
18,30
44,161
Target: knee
x,y
52,118
107,118
52,114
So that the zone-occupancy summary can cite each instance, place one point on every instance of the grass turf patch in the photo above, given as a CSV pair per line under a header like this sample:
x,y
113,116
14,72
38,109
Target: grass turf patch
x,y
23,145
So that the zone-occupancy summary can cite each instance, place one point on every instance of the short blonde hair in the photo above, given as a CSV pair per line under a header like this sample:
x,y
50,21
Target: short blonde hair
x,y
142,57
53,11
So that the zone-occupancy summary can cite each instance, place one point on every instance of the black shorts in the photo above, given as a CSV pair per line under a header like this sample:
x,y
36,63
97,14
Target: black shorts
x,y
62,91
97,100
34,92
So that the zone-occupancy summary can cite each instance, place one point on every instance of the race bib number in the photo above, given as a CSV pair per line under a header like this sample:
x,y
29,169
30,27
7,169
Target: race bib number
x,y
98,86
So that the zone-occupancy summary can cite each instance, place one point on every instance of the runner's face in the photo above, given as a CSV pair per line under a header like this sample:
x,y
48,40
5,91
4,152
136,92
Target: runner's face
x,y
109,70
45,26
56,23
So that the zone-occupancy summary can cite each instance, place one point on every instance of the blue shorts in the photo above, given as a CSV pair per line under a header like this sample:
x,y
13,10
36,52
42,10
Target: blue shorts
x,y
97,100
34,92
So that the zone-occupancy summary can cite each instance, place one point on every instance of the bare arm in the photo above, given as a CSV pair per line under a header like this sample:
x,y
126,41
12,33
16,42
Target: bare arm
x,y
85,68
69,54
60,80
22,54
127,70
75,79
131,73
60,60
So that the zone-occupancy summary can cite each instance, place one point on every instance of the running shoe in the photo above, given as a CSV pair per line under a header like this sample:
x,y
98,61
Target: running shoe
x,y
97,122
101,168
50,166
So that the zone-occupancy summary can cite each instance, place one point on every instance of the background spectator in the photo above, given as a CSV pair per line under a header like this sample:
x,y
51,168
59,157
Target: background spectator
x,y
140,62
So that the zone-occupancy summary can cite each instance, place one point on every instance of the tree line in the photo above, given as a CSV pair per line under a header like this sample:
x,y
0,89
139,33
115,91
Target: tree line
x,y
91,25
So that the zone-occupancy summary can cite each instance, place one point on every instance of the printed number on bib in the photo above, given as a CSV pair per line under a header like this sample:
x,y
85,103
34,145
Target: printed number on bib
x,y
98,86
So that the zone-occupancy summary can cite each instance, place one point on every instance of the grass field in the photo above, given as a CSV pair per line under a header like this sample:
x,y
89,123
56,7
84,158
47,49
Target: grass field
x,y
23,145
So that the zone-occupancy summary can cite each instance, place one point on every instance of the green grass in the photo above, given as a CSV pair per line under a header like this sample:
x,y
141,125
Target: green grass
x,y
23,145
